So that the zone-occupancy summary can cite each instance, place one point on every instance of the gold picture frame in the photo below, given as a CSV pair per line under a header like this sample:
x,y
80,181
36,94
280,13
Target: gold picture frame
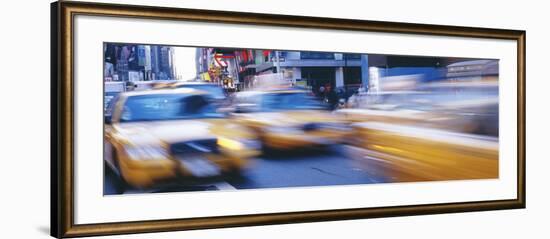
x,y
62,117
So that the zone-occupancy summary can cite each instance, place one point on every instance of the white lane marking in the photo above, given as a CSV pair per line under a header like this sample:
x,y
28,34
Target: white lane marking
x,y
224,186
377,156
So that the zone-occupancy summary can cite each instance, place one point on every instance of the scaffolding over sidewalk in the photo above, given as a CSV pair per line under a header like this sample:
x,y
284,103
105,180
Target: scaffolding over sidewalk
x,y
271,81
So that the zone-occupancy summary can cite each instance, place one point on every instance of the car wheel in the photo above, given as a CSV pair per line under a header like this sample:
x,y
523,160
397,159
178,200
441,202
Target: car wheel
x,y
120,184
266,150
237,175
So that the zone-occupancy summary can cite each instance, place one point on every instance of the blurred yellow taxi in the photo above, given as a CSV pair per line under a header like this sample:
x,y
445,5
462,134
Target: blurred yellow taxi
x,y
159,135
410,153
441,131
289,119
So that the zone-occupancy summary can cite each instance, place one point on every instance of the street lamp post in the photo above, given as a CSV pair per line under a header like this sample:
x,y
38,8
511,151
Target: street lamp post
x,y
277,63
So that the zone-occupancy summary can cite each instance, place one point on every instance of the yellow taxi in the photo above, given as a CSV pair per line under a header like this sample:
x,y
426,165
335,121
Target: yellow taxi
x,y
289,119
409,153
156,136
440,132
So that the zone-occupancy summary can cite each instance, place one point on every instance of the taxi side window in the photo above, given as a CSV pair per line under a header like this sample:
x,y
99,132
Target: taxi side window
x,y
108,115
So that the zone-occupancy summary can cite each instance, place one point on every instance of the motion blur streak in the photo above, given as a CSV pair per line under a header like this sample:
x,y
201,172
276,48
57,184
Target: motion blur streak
x,y
426,154
255,119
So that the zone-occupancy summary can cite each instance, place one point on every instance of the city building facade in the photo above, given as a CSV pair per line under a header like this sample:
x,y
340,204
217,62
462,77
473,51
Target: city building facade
x,y
318,71
136,62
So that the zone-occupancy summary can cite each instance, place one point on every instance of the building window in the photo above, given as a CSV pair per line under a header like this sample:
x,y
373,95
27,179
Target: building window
x,y
352,56
317,55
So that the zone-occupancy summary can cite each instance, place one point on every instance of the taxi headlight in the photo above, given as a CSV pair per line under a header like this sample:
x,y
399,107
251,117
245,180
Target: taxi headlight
x,y
146,152
230,143
238,144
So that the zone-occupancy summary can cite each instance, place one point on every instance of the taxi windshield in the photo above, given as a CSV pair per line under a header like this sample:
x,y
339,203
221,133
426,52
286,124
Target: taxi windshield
x,y
167,107
290,101
214,90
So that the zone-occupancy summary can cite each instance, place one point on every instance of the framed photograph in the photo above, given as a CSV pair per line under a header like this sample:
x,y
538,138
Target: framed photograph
x,y
170,119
